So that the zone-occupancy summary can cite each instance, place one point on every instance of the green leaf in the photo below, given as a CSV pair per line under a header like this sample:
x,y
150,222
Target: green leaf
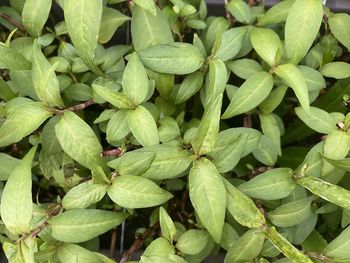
x,y
292,76
240,10
287,249
110,21
291,214
76,226
243,208
168,129
339,25
22,121
314,79
339,248
318,120
12,60
7,165
332,193
229,237
208,129
170,161
231,43
77,254
148,30
267,44
193,241
83,18
250,94
143,126
159,247
276,14
208,196
147,5
216,81
135,80
166,58
337,70
189,87
342,164
271,185
302,26
166,225
79,141
266,152
44,79
83,195
337,145
132,163
136,192
247,247
118,127
244,68
273,100
162,259
270,127
35,14
16,199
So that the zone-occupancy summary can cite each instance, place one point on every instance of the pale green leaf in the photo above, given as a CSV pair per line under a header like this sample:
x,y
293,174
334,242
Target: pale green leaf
x,y
337,145
270,127
7,165
231,43
340,26
273,100
35,14
192,241
215,82
166,225
159,247
244,68
72,253
276,14
240,10
12,60
117,128
339,248
266,152
314,79
148,5
117,99
337,70
190,86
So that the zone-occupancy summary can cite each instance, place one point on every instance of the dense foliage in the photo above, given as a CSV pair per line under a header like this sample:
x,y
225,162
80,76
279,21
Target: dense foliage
x,y
203,135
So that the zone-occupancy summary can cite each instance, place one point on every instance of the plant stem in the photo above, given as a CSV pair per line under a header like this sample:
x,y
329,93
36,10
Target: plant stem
x,y
113,243
113,152
13,21
52,213
74,108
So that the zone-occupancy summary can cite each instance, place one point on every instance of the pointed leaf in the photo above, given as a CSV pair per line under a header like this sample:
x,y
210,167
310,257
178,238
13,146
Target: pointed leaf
x,y
166,225
193,241
216,81
276,14
77,254
35,14
266,152
7,165
117,127
273,100
190,86
337,145
12,60
339,248
117,99
240,10
244,68
337,70
339,25
231,43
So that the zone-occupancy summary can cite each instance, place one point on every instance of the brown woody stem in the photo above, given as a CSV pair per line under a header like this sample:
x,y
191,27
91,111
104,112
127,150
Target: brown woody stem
x,y
74,108
13,21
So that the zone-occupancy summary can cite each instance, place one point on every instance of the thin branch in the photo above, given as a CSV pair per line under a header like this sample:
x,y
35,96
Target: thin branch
x,y
113,152
247,121
74,108
12,21
113,244
52,213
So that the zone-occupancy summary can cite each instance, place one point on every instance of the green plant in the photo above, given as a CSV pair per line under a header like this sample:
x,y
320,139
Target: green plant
x,y
191,129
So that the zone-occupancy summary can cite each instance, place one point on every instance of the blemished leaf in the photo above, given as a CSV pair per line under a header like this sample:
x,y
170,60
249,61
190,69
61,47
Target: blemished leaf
x,y
84,195
330,192
287,249
339,248
253,91
302,25
7,165
22,121
79,225
240,10
16,199
267,44
35,14
143,126
79,141
271,185
247,247
110,21
192,241
170,161
44,79
337,70
204,140
12,60
118,127
208,196
291,214
132,163
231,43
83,19
337,145
69,252
190,86
339,25
242,208
244,68
166,58
137,192
148,30
318,120
215,82
276,14
292,77
135,80
166,225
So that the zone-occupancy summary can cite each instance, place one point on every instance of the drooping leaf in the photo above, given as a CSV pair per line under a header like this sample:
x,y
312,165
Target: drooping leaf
x,y
166,58
192,241
166,225
337,70
136,192
250,94
143,126
339,25
208,196
16,199
318,119
79,225
35,14
271,185
22,121
302,25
